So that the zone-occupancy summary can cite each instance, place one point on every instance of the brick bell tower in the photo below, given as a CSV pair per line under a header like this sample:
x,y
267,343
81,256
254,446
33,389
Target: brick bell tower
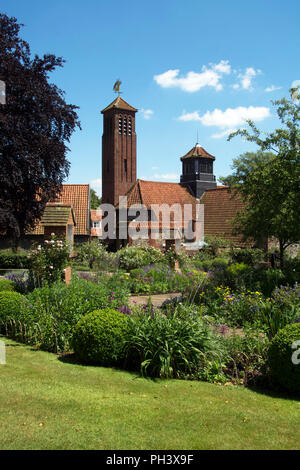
x,y
118,150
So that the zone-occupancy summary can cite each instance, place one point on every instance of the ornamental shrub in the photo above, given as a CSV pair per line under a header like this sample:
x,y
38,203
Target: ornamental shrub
x,y
99,337
10,305
168,346
248,256
10,260
283,358
245,356
47,262
6,284
132,257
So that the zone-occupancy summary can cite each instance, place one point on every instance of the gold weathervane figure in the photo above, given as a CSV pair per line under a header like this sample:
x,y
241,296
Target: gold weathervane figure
x,y
117,86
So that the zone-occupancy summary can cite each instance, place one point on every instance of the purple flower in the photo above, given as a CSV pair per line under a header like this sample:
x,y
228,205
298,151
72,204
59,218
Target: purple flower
x,y
124,309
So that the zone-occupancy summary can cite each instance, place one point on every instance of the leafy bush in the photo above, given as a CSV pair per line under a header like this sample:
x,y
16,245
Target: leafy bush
x,y
10,306
6,284
284,345
291,270
99,337
168,346
95,256
156,279
132,257
241,277
235,309
214,244
47,262
10,260
53,310
20,281
245,357
248,256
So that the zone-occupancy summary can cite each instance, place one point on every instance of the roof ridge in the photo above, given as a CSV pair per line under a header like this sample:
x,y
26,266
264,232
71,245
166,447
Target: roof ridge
x,y
140,191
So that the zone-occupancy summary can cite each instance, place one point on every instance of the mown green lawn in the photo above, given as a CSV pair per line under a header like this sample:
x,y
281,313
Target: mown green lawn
x,y
46,403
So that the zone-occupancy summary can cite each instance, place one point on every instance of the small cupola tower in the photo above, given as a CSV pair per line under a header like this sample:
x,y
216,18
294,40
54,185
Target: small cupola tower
x,y
118,150
197,171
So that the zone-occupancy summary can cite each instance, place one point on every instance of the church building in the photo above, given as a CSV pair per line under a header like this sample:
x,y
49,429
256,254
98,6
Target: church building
x,y
197,186
161,227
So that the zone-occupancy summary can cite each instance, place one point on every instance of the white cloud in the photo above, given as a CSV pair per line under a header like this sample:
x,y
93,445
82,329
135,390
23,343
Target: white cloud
x,y
165,176
190,116
219,135
272,88
147,113
193,81
229,118
97,186
246,78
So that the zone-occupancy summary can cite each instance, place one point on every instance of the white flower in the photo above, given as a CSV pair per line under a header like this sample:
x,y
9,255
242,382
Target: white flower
x,y
52,234
51,267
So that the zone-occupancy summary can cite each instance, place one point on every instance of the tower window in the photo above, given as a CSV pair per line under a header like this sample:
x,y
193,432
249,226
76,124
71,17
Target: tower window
x,y
125,125
120,125
129,126
125,167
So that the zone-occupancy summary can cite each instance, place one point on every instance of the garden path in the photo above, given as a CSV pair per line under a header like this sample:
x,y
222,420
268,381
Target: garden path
x,y
156,299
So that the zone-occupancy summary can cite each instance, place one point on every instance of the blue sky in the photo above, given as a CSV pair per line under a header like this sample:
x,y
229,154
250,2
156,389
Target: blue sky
x,y
188,66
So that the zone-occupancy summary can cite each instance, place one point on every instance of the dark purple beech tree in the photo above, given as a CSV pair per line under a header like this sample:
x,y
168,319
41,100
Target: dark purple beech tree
x,y
35,125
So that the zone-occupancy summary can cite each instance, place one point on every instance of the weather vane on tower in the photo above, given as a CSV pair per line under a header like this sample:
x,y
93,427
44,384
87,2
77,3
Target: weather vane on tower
x,y
117,87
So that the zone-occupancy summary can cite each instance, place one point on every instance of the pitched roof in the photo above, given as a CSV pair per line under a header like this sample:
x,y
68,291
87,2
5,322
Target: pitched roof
x,y
119,103
220,208
57,214
76,195
197,151
157,192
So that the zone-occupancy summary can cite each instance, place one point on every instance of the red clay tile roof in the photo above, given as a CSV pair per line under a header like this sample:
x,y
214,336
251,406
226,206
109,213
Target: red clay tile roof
x,y
151,193
197,151
119,103
76,195
156,192
220,208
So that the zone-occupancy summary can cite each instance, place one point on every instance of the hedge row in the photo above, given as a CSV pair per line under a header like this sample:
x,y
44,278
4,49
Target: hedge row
x,y
13,260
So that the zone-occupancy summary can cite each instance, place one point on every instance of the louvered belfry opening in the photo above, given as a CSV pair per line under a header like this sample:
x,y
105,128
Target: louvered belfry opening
x,y
197,171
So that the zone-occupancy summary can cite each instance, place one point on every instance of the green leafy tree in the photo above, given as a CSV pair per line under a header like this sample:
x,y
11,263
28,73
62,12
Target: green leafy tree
x,y
95,200
269,180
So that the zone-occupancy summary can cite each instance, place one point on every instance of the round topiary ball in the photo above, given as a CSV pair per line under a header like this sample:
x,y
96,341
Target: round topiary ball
x,y
7,284
98,337
10,304
283,357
